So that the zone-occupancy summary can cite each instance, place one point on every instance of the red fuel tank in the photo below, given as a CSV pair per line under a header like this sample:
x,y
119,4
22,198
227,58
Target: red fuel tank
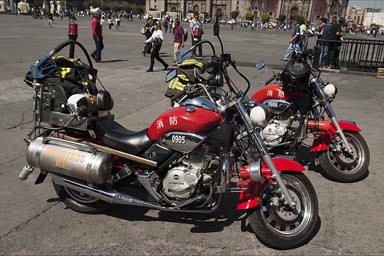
x,y
272,91
194,120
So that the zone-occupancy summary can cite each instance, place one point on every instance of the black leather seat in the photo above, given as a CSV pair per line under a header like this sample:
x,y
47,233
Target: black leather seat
x,y
115,136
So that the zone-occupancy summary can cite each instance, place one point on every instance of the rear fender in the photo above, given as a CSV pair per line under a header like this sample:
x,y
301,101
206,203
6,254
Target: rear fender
x,y
321,142
249,198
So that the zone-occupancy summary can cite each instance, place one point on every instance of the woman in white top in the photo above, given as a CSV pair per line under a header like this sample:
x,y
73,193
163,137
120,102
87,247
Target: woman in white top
x,y
156,39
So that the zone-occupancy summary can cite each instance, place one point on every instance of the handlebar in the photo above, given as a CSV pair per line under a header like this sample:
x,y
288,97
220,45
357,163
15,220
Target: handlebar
x,y
180,57
269,80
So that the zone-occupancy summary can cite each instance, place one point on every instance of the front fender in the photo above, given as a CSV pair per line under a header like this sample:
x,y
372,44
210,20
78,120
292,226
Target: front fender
x,y
249,198
321,142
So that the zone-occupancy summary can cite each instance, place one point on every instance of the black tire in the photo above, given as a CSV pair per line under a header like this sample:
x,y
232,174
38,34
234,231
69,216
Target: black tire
x,y
342,168
80,202
279,227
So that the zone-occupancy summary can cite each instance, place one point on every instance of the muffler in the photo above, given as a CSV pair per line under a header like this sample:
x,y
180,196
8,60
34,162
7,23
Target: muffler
x,y
72,159
115,197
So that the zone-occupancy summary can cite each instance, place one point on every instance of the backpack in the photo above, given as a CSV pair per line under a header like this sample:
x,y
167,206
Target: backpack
x,y
185,34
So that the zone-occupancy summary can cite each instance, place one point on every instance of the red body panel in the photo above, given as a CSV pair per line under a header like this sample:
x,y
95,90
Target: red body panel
x,y
272,91
248,198
321,142
178,119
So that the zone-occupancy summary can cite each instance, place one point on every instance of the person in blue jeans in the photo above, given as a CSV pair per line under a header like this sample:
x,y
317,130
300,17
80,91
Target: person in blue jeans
x,y
323,34
294,41
97,37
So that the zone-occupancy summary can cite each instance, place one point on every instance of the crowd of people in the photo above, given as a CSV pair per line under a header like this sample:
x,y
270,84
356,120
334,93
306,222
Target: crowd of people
x,y
153,33
329,40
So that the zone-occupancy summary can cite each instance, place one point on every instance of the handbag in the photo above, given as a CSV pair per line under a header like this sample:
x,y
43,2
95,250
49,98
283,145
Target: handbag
x,y
157,43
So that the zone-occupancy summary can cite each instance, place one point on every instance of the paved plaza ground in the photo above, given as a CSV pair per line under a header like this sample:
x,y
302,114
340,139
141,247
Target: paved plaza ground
x,y
34,222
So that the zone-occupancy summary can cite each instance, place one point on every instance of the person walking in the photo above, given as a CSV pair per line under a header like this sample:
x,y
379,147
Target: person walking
x,y
97,37
50,19
148,30
294,41
196,33
322,35
110,21
157,40
178,40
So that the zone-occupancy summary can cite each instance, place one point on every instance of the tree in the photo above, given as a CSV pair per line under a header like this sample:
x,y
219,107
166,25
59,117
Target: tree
x,y
299,18
249,16
105,8
139,10
282,18
234,14
265,17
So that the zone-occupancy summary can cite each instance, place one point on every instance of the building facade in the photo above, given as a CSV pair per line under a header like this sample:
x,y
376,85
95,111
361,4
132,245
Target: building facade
x,y
311,10
355,15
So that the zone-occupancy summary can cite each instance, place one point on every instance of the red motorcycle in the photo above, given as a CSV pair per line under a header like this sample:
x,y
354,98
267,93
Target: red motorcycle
x,y
183,162
299,101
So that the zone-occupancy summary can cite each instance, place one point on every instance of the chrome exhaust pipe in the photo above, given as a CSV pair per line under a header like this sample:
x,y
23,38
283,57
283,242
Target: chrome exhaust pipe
x,y
115,197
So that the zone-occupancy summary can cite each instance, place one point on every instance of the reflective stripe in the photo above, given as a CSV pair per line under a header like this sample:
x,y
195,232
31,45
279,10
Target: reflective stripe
x,y
65,71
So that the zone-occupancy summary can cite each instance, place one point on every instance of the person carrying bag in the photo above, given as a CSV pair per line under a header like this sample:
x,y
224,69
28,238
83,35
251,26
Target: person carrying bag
x,y
157,41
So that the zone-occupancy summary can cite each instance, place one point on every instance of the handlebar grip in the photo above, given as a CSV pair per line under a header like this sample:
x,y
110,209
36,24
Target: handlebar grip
x,y
269,80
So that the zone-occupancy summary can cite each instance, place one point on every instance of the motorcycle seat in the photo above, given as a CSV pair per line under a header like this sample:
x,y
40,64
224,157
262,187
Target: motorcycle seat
x,y
115,136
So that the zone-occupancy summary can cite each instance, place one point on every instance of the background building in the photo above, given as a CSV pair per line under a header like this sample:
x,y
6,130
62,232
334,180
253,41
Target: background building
x,y
373,16
355,15
311,10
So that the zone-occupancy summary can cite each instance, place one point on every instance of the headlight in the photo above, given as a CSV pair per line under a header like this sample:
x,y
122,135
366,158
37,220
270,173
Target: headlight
x,y
259,114
330,90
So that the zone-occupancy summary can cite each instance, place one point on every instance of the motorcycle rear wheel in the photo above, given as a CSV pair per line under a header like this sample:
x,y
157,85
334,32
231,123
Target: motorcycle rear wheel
x,y
80,202
281,228
342,168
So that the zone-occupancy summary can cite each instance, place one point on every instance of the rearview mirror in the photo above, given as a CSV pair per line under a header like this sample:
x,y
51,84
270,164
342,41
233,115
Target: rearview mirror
x,y
216,26
260,65
171,75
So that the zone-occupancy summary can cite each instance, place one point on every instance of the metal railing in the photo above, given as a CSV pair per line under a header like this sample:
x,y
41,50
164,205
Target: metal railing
x,y
358,54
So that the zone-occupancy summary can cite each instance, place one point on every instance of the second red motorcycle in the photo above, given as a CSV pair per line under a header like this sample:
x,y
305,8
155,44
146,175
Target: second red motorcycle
x,y
300,103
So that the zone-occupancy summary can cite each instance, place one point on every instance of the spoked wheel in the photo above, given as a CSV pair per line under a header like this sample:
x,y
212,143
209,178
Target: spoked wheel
x,y
80,202
280,227
341,166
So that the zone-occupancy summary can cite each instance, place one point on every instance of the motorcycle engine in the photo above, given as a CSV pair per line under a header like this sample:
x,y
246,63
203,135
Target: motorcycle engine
x,y
273,133
181,181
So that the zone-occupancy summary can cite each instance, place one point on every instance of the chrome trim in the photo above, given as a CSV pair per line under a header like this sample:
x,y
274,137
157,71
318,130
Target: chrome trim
x,y
255,170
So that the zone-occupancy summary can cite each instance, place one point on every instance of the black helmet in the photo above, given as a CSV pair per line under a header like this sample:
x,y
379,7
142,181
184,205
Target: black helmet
x,y
295,76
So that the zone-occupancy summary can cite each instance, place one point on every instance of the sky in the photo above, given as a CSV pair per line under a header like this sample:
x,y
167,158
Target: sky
x,y
367,3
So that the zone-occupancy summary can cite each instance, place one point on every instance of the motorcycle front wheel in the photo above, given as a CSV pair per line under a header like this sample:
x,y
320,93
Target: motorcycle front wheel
x,y
80,202
340,166
280,227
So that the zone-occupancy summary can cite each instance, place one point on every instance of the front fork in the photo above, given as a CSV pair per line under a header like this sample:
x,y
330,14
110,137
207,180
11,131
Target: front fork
x,y
262,148
331,114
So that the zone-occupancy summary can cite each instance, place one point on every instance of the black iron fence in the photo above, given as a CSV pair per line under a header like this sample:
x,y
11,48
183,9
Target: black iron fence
x,y
355,54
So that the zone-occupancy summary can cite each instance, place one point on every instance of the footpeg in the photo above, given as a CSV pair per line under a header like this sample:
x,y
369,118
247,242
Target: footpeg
x,y
27,170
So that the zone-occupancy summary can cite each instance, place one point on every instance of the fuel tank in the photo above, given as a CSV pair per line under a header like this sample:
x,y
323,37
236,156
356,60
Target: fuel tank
x,y
189,119
272,91
70,159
